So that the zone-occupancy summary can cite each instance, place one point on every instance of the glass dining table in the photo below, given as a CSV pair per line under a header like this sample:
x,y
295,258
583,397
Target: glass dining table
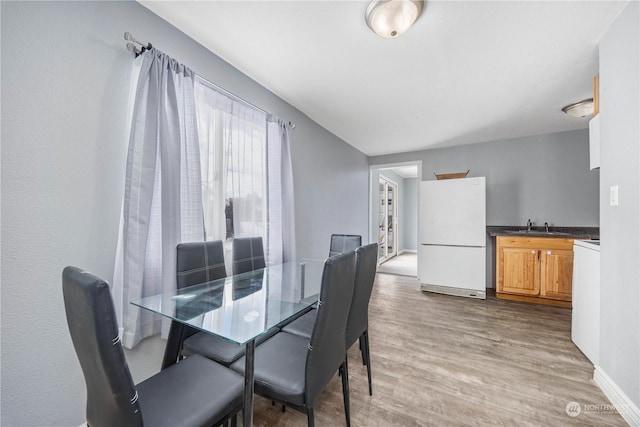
x,y
242,307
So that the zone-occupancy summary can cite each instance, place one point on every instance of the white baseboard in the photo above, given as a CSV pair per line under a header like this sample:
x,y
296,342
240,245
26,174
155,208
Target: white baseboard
x,y
618,398
410,251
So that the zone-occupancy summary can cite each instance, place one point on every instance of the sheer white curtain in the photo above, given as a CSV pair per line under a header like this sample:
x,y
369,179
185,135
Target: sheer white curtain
x,y
233,150
212,161
163,201
246,171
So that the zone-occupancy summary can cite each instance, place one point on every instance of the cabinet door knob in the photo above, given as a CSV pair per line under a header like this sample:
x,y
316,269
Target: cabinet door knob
x,y
533,252
548,252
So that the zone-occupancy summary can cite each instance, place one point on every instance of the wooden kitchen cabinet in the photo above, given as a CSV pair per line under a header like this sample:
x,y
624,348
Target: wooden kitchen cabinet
x,y
521,271
557,266
534,269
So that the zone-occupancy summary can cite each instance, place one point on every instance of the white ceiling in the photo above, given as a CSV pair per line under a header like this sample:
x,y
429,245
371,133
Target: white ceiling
x,y
468,71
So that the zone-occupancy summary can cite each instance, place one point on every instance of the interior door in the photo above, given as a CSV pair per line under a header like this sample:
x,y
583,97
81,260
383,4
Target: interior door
x,y
387,219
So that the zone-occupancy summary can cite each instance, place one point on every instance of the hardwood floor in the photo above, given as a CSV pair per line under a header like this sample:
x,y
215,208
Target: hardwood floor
x,y
441,360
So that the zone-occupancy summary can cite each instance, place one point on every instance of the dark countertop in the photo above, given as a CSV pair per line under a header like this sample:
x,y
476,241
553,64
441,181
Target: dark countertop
x,y
592,233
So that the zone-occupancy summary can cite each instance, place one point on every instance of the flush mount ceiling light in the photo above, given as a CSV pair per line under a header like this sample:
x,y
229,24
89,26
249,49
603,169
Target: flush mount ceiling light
x,y
392,18
583,108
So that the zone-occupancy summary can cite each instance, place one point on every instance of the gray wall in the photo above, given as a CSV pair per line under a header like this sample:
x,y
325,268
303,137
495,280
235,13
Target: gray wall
x,y
620,225
545,178
65,84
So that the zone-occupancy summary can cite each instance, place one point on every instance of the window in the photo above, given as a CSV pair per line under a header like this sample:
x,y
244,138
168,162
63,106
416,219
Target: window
x,y
246,172
233,151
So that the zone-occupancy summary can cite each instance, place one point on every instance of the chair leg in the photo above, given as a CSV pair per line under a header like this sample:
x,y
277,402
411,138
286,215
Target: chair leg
x,y
345,390
234,420
309,417
362,349
273,403
173,348
230,420
368,358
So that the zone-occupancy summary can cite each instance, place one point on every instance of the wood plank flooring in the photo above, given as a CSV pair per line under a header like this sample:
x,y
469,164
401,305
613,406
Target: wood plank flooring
x,y
439,360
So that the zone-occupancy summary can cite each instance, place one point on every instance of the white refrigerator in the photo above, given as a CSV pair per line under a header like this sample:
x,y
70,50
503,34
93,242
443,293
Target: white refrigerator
x,y
452,251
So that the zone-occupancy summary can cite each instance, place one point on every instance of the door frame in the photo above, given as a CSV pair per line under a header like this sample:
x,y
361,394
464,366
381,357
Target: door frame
x,y
373,187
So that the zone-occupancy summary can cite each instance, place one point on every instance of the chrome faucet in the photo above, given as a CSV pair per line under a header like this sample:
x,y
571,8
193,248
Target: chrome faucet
x,y
529,224
546,227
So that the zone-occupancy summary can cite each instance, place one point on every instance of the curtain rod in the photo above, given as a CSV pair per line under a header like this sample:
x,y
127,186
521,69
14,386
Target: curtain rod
x,y
131,47
237,98
147,46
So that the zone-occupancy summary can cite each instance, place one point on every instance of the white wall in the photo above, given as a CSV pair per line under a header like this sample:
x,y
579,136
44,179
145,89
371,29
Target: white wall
x,y
410,215
65,81
620,225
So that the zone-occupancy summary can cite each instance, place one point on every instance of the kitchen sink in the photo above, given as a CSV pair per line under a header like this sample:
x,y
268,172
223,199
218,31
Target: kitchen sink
x,y
538,233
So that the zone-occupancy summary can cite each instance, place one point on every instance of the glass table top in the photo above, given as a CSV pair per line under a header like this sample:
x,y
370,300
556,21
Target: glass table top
x,y
242,307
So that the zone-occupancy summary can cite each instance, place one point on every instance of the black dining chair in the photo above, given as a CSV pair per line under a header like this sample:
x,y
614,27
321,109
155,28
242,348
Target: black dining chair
x,y
196,262
293,370
358,321
344,242
302,325
200,262
194,392
247,254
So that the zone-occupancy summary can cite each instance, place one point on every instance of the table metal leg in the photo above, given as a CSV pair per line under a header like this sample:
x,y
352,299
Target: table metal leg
x,y
247,410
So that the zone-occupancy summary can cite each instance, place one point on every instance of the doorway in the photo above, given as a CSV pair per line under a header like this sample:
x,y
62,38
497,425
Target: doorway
x,y
393,219
387,219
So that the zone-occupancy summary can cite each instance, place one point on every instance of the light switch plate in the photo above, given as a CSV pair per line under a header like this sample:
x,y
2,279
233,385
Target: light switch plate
x,y
613,195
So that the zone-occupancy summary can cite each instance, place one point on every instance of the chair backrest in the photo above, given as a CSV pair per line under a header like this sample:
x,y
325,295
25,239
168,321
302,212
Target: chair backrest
x,y
111,395
358,321
343,243
196,262
199,262
247,254
327,346
246,285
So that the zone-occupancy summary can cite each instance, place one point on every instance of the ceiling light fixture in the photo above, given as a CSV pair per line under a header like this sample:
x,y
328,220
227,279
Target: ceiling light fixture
x,y
582,108
392,18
